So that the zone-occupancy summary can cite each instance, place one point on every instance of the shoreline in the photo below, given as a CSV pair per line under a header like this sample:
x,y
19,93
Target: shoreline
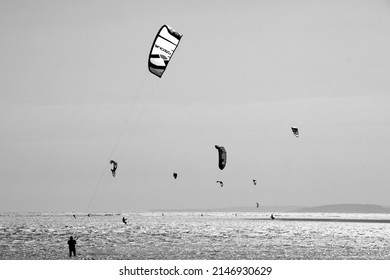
x,y
382,221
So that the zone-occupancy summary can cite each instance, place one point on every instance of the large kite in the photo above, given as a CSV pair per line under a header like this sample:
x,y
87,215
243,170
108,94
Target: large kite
x,y
221,157
164,45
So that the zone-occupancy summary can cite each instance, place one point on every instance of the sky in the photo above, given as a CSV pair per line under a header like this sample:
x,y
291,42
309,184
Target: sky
x,y
75,93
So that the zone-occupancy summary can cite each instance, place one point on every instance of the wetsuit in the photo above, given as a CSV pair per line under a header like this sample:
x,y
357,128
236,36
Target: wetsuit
x,y
72,247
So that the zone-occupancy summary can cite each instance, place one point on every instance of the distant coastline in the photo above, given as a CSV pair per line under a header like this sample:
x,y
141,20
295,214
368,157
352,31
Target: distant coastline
x,y
346,208
236,209
331,208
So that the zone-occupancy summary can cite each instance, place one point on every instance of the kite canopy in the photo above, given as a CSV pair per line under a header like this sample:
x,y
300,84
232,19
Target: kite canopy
x,y
164,45
175,175
114,167
295,131
114,164
220,183
221,157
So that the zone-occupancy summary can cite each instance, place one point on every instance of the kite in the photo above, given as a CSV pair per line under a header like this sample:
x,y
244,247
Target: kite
x,y
295,131
114,167
221,157
163,47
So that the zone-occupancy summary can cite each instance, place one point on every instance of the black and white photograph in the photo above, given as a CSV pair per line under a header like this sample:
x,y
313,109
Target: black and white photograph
x,y
195,130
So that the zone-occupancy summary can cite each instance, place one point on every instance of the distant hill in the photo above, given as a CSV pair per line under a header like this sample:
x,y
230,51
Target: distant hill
x,y
346,208
260,209
236,209
334,208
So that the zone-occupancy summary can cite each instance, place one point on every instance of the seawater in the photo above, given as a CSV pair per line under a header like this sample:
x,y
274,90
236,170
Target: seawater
x,y
195,236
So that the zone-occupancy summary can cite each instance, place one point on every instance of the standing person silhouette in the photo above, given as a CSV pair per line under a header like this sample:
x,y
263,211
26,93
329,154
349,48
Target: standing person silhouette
x,y
72,246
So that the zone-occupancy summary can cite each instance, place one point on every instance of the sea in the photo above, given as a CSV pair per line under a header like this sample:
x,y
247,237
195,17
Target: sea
x,y
196,236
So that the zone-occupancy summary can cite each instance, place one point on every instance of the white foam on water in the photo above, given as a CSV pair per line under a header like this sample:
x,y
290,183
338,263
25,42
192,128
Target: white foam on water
x,y
192,236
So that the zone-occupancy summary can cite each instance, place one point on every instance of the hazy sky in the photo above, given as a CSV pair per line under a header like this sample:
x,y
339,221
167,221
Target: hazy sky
x,y
75,92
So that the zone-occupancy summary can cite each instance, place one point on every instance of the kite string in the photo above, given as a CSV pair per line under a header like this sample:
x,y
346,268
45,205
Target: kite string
x,y
287,169
92,200
121,134
143,109
140,115
103,172
126,120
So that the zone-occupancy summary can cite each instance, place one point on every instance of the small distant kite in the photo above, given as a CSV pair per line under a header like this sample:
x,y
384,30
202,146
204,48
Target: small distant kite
x,y
114,167
221,183
254,182
295,131
257,205
174,175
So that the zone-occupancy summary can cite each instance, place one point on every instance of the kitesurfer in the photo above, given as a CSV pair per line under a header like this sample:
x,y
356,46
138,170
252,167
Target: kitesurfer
x,y
124,220
72,246
272,217
74,216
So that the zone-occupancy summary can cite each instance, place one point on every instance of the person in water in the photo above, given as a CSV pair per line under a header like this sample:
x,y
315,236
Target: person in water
x,y
124,220
72,246
272,217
